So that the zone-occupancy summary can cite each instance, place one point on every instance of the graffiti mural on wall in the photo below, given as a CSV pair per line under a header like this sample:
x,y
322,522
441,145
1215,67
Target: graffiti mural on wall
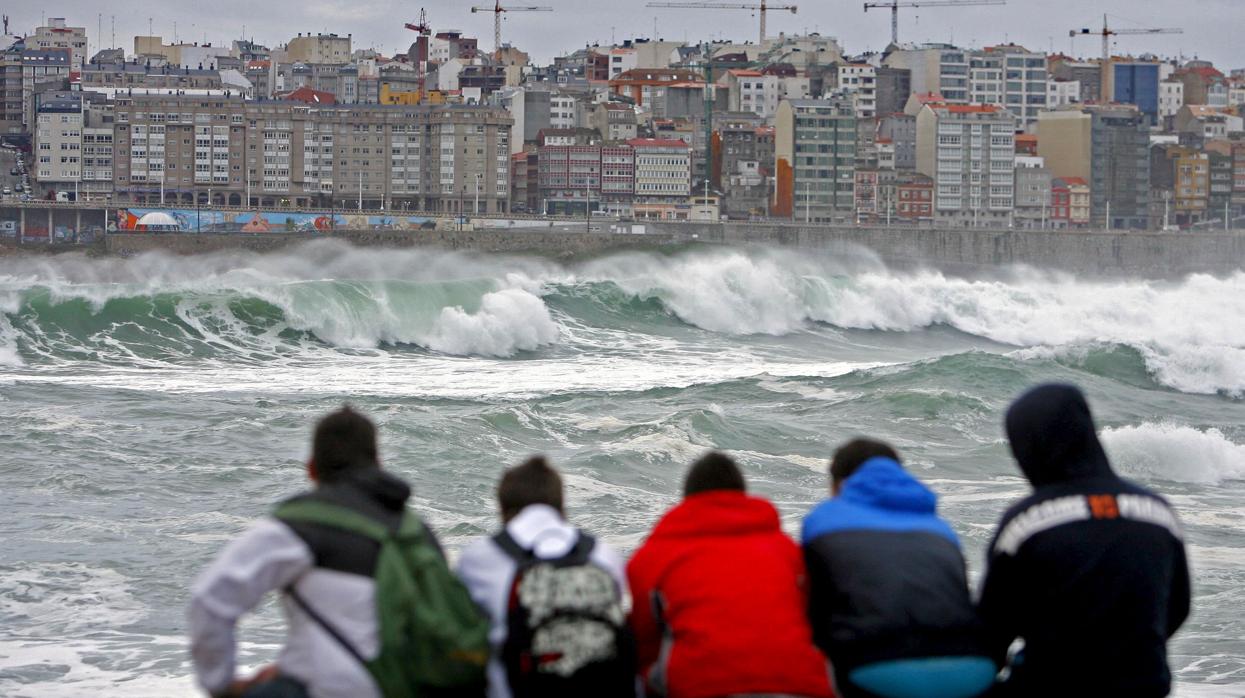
x,y
210,221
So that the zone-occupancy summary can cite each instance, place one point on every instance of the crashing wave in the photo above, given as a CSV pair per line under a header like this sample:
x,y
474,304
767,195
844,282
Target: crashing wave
x,y
1187,334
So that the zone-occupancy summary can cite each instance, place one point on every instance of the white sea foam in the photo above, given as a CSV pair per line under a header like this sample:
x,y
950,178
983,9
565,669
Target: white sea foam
x,y
508,321
65,599
1188,333
1177,453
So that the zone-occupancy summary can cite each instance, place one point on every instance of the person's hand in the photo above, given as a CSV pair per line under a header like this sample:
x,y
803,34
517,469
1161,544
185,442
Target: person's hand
x,y
237,687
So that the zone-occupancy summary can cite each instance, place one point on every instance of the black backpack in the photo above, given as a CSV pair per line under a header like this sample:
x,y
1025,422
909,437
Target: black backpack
x,y
567,632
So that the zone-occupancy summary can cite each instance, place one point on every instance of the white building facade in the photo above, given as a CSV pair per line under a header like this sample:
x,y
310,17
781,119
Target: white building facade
x,y
970,153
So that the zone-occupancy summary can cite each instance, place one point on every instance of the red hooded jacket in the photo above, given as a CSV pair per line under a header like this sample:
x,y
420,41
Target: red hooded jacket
x,y
730,586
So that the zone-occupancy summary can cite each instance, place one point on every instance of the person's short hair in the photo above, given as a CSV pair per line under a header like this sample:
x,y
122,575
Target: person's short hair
x,y
713,471
344,440
850,456
532,482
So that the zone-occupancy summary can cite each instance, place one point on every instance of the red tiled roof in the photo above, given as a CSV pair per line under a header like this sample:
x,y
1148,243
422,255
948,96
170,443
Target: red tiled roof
x,y
310,96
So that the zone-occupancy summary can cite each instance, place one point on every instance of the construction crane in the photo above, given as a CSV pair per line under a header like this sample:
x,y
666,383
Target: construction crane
x,y
894,5
1108,32
424,30
497,11
762,9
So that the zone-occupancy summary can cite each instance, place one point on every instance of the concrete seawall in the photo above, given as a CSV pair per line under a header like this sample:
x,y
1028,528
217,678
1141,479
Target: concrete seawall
x,y
544,242
958,251
1148,254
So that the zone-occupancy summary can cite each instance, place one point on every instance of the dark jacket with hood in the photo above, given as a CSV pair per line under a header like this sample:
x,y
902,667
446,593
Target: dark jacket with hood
x,y
1089,570
886,577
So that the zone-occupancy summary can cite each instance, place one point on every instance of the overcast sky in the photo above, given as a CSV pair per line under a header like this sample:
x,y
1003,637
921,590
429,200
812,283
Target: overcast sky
x,y
1212,28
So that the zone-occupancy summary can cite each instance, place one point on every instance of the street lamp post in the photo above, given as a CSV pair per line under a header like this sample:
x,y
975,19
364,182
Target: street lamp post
x,y
476,207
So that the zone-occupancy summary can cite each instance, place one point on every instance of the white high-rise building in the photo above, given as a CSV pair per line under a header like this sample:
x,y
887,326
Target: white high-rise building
x,y
859,80
970,153
1011,77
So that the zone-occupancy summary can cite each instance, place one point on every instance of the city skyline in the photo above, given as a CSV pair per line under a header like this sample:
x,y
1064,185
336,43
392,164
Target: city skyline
x,y
1039,27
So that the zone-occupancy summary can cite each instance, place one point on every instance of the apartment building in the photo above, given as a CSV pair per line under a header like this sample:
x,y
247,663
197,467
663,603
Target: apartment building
x,y
1033,193
1136,83
1012,77
639,84
617,179
859,82
225,150
139,75
1070,203
939,68
569,171
24,73
663,177
751,91
1171,99
73,147
875,195
899,130
1061,93
815,159
319,48
1087,74
1108,147
615,121
915,194
56,34
970,152
742,173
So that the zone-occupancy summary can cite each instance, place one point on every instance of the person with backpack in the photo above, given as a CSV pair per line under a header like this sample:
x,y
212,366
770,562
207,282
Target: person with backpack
x,y
718,597
372,609
888,592
554,595
1089,569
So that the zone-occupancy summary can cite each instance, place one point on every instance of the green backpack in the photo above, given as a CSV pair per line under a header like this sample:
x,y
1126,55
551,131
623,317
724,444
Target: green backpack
x,y
433,637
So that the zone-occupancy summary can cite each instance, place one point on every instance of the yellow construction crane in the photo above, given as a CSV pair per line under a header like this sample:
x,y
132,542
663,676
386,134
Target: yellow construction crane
x,y
497,11
1108,32
762,9
894,5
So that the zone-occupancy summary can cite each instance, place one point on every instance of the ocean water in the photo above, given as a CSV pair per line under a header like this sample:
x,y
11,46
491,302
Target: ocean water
x,y
151,407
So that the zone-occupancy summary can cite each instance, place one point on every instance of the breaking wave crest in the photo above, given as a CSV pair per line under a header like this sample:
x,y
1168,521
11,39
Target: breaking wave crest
x,y
1176,453
1185,334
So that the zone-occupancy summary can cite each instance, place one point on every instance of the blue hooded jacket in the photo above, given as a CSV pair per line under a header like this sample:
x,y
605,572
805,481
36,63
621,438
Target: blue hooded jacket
x,y
886,577
879,496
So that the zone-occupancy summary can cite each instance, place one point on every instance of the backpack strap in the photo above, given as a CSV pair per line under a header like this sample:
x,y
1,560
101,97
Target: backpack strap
x,y
511,547
579,554
324,623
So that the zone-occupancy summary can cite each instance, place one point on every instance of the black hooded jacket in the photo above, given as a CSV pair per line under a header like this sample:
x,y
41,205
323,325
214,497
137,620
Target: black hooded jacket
x,y
1089,570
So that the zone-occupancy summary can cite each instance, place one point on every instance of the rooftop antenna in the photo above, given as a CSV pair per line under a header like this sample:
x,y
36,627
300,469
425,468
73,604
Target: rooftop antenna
x,y
113,42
